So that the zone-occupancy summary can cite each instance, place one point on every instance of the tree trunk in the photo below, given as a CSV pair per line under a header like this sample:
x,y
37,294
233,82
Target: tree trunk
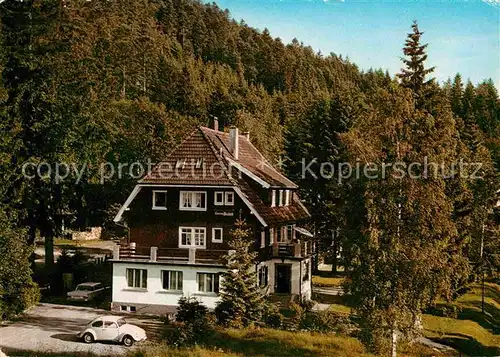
x,y
49,253
394,342
335,252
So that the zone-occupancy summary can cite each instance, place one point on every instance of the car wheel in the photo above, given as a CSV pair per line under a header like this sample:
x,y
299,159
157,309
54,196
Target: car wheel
x,y
88,338
128,340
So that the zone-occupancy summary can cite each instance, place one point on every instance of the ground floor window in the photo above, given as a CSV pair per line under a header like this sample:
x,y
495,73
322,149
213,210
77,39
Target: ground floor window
x,y
137,278
263,276
208,282
172,280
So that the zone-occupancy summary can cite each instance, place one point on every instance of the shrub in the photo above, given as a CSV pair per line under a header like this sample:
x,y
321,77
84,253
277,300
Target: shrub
x,y
225,314
272,317
298,314
191,324
326,321
307,305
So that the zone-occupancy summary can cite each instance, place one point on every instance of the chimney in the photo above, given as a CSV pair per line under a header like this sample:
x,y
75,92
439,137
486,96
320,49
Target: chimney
x,y
216,124
234,145
246,134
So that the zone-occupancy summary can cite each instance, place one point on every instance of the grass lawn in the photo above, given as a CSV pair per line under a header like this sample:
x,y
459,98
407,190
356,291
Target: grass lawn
x,y
472,332
324,281
269,342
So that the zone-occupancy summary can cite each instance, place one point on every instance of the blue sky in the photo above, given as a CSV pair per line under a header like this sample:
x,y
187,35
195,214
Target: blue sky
x,y
463,35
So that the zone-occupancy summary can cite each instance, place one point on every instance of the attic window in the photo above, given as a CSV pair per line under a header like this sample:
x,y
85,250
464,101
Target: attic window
x,y
199,163
180,163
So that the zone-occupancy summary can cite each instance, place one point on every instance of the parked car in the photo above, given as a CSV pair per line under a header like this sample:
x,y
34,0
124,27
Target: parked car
x,y
87,291
112,328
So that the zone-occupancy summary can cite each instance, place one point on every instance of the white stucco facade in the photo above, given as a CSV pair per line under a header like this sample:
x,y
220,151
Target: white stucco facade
x,y
153,294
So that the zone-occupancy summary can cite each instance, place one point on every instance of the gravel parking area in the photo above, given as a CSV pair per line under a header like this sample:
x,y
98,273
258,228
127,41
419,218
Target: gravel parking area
x,y
52,328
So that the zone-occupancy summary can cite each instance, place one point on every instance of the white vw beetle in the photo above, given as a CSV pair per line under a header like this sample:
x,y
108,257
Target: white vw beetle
x,y
111,328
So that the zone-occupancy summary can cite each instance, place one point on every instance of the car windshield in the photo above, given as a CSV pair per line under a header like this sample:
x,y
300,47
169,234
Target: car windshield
x,y
121,322
84,288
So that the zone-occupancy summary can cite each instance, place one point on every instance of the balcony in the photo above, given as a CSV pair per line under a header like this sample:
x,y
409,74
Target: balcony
x,y
286,250
131,252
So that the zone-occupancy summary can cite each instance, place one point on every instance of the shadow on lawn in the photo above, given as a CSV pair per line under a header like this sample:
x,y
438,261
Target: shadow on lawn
x,y
255,344
489,320
467,345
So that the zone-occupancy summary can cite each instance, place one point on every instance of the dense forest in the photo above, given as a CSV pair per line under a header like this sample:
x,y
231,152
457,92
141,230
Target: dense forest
x,y
89,82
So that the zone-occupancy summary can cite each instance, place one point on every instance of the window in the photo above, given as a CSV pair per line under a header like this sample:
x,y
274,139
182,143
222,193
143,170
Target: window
x,y
110,324
137,278
208,282
262,239
132,309
284,234
280,238
159,200
180,163
171,280
263,276
193,201
306,271
217,235
123,308
121,322
289,232
287,197
219,198
273,198
280,200
199,163
97,324
229,198
192,237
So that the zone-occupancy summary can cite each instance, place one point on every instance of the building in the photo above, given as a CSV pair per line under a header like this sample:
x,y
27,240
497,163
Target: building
x,y
180,216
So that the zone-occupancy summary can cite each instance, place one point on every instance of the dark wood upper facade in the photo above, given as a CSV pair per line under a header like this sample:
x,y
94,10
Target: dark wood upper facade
x,y
198,213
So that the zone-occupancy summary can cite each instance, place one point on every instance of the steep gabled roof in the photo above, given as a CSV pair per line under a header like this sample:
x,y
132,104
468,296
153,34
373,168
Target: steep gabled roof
x,y
182,166
249,158
212,147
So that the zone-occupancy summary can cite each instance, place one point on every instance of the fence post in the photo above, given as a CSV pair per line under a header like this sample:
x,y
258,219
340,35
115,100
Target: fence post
x,y
153,253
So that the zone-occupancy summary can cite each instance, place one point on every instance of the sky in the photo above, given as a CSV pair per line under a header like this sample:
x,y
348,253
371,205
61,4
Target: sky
x,y
463,35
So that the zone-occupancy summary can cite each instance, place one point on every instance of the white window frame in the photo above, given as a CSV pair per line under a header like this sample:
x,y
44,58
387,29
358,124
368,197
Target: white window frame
x,y
193,195
221,202
280,199
287,197
192,232
273,198
143,284
214,229
226,201
179,274
215,278
154,206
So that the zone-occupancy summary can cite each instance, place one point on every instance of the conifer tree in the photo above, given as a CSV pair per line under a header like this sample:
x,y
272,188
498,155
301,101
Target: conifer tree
x,y
415,73
241,300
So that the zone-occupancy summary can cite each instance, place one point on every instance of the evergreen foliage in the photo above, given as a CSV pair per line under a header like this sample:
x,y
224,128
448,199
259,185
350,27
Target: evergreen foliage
x,y
242,302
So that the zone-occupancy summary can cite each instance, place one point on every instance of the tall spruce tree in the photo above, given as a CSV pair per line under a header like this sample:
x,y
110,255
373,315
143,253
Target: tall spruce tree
x,y
241,303
414,75
409,251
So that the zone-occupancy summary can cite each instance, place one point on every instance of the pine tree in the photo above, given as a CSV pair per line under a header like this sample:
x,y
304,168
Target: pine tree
x,y
415,73
241,302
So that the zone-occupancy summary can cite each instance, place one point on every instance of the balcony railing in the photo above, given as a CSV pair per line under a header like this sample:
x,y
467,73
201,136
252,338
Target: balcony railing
x,y
177,255
286,250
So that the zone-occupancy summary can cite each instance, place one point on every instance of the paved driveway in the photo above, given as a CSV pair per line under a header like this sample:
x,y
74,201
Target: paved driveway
x,y
52,328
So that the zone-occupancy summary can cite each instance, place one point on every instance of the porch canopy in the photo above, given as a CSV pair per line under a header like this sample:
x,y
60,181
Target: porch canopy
x,y
303,231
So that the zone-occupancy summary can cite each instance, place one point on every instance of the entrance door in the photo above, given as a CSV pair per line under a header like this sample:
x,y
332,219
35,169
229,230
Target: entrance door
x,y
283,279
